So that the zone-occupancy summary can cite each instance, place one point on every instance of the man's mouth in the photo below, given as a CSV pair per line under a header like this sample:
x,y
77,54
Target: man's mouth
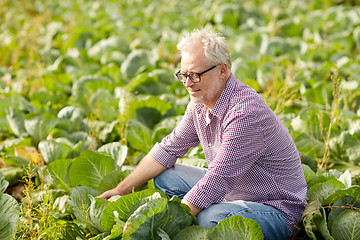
x,y
193,91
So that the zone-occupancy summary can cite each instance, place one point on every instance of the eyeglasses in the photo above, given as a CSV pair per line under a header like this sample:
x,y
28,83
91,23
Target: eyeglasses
x,y
194,77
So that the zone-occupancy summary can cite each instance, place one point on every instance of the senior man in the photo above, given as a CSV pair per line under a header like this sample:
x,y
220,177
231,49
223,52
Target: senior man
x,y
254,169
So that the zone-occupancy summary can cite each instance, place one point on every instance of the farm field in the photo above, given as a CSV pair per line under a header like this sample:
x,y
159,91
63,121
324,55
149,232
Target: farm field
x,y
88,87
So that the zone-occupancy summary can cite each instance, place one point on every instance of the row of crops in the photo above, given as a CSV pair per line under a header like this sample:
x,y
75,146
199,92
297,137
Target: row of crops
x,y
88,87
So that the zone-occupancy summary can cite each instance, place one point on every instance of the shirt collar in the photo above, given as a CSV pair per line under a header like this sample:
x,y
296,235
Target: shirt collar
x,y
224,98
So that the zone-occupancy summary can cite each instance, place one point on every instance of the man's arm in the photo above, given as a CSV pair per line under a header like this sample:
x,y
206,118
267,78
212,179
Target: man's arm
x,y
193,210
147,169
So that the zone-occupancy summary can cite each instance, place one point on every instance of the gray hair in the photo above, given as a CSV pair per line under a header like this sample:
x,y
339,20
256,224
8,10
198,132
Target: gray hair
x,y
216,49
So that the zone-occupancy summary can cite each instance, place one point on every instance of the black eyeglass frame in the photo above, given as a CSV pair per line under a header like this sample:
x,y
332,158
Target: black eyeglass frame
x,y
179,75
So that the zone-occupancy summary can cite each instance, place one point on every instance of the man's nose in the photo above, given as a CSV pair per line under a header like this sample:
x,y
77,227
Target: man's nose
x,y
188,82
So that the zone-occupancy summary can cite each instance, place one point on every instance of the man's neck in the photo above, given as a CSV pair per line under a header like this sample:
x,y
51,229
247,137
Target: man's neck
x,y
211,106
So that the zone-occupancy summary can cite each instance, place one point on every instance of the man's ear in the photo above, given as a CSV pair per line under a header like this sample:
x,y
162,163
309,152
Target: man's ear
x,y
224,71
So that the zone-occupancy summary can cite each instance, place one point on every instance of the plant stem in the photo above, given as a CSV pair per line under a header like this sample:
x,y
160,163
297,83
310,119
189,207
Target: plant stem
x,y
331,112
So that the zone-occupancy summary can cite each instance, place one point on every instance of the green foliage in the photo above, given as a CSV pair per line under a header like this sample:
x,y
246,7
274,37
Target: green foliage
x,y
85,87
90,87
112,179
346,146
122,207
235,227
116,151
51,150
9,210
58,171
3,183
39,125
89,169
345,225
193,232
137,61
11,175
139,136
85,206
332,200
156,213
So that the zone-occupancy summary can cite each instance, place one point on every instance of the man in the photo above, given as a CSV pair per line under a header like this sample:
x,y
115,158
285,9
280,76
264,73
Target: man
x,y
254,169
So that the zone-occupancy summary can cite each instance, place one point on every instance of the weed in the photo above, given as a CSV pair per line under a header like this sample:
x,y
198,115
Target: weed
x,y
331,110
39,218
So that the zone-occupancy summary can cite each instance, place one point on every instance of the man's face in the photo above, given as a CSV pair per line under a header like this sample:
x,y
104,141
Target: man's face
x,y
209,89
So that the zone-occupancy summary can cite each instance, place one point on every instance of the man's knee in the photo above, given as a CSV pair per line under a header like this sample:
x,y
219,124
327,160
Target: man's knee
x,y
204,220
210,217
160,179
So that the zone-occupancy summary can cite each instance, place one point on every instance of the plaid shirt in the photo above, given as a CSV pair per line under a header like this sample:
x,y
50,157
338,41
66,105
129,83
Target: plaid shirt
x,y
250,154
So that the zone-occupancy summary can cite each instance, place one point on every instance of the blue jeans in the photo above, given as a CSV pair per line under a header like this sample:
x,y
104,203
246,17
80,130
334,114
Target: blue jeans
x,y
179,180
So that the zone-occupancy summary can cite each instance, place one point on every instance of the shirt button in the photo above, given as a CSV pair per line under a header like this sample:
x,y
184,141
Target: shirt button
x,y
209,145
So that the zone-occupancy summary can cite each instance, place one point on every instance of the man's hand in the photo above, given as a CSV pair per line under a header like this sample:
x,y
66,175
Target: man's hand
x,y
193,210
108,194
147,169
